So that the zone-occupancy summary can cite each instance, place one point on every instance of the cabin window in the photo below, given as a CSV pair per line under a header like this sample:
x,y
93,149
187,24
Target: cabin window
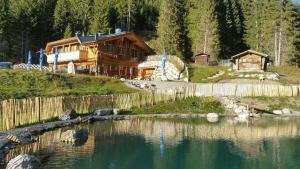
x,y
133,53
74,47
110,48
120,51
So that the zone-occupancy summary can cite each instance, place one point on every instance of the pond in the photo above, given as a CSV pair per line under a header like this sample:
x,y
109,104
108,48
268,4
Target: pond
x,y
174,144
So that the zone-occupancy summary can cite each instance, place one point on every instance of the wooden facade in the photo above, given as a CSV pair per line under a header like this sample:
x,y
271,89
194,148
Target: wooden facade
x,y
250,61
115,55
202,58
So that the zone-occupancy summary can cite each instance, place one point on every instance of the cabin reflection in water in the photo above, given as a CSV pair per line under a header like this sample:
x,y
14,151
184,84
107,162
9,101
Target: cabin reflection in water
x,y
271,137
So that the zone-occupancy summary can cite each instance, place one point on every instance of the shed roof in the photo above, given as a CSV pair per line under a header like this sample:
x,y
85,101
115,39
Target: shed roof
x,y
248,52
202,54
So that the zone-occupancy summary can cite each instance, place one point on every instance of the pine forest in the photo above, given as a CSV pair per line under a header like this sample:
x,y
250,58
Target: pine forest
x,y
184,28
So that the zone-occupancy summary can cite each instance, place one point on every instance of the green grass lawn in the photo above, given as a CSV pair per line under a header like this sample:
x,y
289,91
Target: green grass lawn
x,y
22,84
190,105
199,73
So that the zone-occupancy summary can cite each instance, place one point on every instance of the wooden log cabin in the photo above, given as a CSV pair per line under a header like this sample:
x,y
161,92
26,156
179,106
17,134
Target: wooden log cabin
x,y
202,58
115,55
250,61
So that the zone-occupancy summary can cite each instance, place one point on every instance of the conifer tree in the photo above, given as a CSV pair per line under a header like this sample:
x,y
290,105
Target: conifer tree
x,y
23,21
203,27
169,30
101,13
147,14
230,20
287,33
61,16
80,14
68,32
271,28
126,13
4,25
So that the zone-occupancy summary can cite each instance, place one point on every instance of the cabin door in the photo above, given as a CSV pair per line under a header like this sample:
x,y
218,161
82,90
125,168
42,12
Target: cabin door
x,y
147,73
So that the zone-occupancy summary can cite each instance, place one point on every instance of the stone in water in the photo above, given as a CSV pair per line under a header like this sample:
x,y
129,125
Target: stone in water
x,y
24,161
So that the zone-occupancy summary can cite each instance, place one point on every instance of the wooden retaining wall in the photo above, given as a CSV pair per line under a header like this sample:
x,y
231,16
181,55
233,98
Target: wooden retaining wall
x,y
18,112
245,90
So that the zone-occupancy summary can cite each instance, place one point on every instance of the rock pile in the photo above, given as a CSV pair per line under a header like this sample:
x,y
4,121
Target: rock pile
x,y
24,161
68,115
242,111
142,85
74,136
106,112
220,73
284,111
269,76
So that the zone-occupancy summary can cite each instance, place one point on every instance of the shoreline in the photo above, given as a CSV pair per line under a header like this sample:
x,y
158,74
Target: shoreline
x,y
36,130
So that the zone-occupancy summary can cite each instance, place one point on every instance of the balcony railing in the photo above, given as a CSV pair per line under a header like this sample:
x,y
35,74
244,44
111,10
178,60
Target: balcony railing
x,y
68,56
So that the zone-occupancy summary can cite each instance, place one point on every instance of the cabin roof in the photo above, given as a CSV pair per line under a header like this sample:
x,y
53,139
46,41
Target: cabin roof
x,y
248,52
202,53
85,40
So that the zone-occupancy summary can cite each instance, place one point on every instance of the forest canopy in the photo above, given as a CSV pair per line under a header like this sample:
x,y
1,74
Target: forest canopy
x,y
221,28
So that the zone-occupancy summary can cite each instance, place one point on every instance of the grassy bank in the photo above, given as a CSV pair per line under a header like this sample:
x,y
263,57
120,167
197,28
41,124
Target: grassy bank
x,y
22,84
274,103
288,74
190,105
200,73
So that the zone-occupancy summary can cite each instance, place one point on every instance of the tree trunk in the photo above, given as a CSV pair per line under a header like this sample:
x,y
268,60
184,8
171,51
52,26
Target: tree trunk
x,y
279,46
129,15
205,39
280,39
275,50
22,48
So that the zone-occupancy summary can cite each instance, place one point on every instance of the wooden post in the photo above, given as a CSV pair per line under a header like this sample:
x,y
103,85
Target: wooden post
x,y
96,66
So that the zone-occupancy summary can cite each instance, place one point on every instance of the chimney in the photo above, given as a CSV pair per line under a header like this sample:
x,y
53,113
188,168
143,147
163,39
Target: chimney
x,y
118,30
77,33
98,34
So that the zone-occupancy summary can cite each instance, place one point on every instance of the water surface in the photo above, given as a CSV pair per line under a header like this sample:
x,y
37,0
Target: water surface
x,y
175,144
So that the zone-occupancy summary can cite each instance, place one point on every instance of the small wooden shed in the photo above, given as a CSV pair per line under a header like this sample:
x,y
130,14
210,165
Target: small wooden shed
x,y
202,58
250,61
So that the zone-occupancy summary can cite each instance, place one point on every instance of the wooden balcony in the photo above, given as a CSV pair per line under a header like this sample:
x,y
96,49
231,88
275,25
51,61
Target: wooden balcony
x,y
78,55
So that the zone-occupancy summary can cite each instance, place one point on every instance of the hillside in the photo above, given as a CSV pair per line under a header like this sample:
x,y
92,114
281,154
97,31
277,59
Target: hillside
x,y
21,84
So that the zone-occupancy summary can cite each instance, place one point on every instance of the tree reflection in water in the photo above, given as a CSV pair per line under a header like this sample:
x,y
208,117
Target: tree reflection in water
x,y
174,143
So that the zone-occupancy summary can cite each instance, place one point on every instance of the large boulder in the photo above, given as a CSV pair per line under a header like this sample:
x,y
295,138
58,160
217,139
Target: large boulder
x,y
74,136
68,115
21,137
277,112
103,112
24,161
286,111
212,117
116,111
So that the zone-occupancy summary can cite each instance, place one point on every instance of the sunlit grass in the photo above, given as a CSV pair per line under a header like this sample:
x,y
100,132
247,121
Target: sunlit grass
x,y
190,105
288,74
22,84
200,73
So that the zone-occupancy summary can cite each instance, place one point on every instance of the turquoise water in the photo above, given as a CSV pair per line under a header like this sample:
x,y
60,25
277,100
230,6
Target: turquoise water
x,y
176,144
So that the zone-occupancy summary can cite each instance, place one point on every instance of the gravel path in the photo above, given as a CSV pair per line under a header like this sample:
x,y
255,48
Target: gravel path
x,y
174,84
